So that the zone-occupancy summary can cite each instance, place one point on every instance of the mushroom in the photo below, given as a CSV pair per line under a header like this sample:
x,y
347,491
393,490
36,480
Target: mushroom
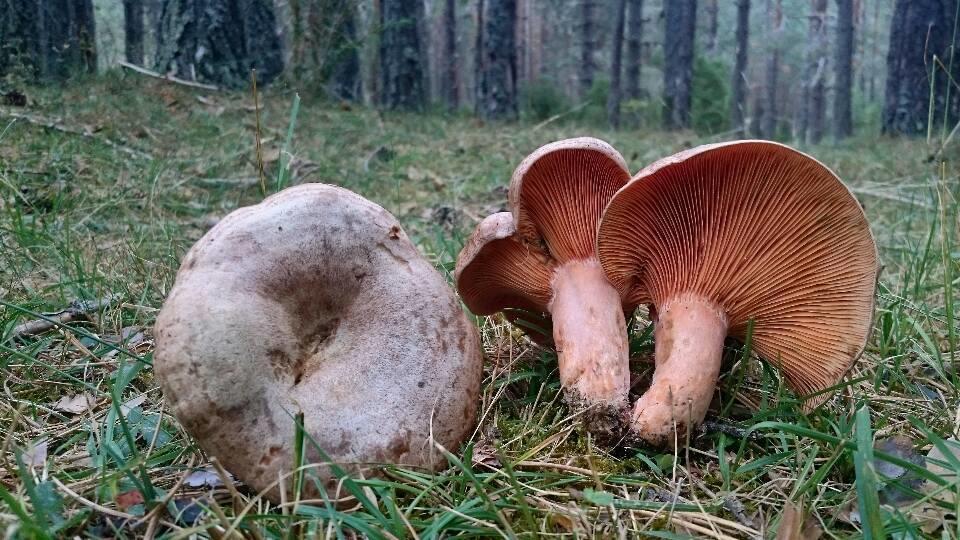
x,y
316,301
540,257
727,237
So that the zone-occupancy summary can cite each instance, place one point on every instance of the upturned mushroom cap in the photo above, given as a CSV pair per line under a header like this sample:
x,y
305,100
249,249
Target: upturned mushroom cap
x,y
556,197
315,300
495,271
558,193
767,234
541,258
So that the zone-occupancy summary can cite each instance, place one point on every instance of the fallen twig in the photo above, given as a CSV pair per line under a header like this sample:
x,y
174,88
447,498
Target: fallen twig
x,y
719,426
78,309
170,78
556,117
735,507
243,181
54,124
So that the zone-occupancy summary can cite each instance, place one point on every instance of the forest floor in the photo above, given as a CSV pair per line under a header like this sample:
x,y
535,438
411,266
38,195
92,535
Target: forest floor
x,y
104,185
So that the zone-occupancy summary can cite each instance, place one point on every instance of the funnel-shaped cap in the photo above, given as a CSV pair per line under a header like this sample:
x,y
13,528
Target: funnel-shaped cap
x,y
766,233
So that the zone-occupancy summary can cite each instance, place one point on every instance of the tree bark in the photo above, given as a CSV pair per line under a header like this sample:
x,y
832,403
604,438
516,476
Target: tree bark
x,y
920,30
47,39
713,15
613,99
738,109
219,41
324,49
680,18
449,59
843,74
634,33
345,76
587,45
809,126
133,31
497,96
768,122
401,56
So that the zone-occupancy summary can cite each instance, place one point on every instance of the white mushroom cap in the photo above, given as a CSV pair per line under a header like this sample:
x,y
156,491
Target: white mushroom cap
x,y
315,300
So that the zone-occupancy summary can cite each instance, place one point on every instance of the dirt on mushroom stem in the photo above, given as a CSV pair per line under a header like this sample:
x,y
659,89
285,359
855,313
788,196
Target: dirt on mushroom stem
x,y
591,339
688,337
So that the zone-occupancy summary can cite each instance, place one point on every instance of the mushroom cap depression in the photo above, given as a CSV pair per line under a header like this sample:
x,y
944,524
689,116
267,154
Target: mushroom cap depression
x,y
315,300
767,233
557,195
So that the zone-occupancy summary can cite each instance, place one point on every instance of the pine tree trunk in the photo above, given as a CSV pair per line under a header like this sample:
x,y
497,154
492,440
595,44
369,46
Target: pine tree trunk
x,y
843,74
587,45
768,122
345,75
738,109
449,59
634,34
219,41
920,30
613,99
133,31
497,97
20,39
534,42
680,17
47,39
713,15
810,121
401,56
324,48
520,40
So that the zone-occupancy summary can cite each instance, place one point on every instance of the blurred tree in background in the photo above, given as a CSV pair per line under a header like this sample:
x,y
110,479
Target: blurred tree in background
x,y
795,70
401,56
219,41
47,39
497,61
133,30
920,93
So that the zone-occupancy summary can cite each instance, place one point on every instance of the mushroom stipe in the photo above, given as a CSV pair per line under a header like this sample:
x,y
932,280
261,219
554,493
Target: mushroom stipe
x,y
315,300
541,257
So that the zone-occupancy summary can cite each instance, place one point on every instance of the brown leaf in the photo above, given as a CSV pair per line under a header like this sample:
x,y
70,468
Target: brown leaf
x,y
129,498
562,521
797,524
271,155
77,404
415,174
36,454
207,477
938,463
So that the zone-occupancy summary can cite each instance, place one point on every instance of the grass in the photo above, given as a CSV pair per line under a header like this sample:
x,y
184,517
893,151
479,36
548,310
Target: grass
x,y
81,218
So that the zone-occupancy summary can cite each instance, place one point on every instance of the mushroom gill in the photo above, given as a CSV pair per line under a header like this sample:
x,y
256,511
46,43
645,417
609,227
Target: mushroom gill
x,y
721,235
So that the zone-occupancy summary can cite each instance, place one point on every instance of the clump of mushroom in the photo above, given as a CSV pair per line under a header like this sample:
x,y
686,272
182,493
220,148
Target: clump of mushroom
x,y
717,239
316,301
721,235
541,257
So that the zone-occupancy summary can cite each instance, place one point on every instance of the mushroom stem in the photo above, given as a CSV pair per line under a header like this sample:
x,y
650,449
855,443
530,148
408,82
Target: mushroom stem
x,y
688,336
591,339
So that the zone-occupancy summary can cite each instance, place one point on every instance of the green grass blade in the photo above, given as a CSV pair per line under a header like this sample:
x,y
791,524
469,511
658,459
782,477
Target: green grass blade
x,y
867,494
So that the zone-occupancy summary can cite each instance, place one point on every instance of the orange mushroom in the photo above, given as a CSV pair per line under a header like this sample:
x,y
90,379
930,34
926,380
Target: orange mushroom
x,y
541,257
721,235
